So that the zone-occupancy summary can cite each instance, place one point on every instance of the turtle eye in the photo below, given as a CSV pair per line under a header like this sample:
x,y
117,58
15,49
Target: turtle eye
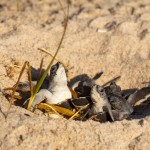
x,y
54,69
66,70
100,89
113,83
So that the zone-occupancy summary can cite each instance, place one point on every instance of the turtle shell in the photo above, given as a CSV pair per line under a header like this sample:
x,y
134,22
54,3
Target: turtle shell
x,y
66,104
83,90
81,102
76,103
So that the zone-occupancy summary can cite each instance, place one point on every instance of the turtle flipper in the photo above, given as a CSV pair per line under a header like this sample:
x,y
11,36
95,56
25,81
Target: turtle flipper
x,y
139,96
97,75
25,86
127,92
118,115
110,112
43,94
81,102
101,117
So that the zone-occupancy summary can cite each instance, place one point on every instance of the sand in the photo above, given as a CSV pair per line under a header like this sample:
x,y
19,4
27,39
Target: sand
x,y
109,36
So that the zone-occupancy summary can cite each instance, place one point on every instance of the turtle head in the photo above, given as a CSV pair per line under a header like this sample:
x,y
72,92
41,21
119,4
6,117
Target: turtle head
x,y
115,88
100,100
58,73
98,93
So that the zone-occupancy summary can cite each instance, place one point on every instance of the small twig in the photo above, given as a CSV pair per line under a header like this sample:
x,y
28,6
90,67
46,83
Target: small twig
x,y
40,71
72,117
146,83
8,89
14,89
29,78
41,65
54,110
114,79
17,5
62,8
48,52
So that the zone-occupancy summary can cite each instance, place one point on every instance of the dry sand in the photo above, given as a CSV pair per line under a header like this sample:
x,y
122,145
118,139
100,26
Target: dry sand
x,y
110,36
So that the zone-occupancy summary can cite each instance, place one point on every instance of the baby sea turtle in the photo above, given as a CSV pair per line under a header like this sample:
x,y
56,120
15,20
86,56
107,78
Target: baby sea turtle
x,y
123,101
57,90
121,108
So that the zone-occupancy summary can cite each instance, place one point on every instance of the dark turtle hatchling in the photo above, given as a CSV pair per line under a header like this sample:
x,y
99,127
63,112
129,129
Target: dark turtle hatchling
x,y
82,84
121,109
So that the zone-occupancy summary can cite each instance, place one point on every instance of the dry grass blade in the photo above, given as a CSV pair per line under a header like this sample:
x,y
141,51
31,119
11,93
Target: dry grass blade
x,y
9,88
14,89
48,108
148,83
51,62
41,65
29,78
72,117
74,94
15,96
48,52
61,110
40,70
114,79
18,5
62,8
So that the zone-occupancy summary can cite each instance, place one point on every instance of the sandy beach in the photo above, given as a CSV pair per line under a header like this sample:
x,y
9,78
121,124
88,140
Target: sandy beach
x,y
109,36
